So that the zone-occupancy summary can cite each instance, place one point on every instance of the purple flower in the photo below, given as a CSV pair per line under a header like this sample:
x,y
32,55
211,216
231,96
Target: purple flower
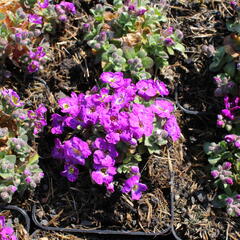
x,y
161,88
40,111
6,233
103,175
70,172
68,6
38,125
38,54
163,108
171,126
70,105
43,3
76,151
115,80
230,138
12,98
57,124
58,150
132,185
33,66
168,32
141,11
34,18
146,89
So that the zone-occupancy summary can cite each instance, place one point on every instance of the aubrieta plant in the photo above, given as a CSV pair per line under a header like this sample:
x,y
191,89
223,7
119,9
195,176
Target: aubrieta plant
x,y
111,127
227,57
19,168
225,155
6,232
128,37
23,28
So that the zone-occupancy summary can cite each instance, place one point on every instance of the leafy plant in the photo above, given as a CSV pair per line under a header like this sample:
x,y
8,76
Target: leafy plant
x,y
23,27
128,37
19,168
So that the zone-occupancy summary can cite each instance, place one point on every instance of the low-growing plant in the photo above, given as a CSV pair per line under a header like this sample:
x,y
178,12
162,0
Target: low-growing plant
x,y
227,57
19,168
128,37
109,128
23,28
225,155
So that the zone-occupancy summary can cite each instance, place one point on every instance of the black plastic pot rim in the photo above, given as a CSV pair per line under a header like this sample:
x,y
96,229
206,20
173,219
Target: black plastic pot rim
x,y
99,232
19,210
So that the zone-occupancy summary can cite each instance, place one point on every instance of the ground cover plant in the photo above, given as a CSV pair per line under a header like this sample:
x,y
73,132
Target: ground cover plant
x,y
114,125
224,155
25,29
19,169
128,36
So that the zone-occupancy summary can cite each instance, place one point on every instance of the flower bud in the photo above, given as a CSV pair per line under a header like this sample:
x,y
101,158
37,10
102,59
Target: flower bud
x,y
5,196
215,173
228,180
227,165
229,200
237,197
12,189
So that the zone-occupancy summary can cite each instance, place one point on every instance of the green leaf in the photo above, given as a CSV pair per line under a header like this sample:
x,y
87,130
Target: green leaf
x,y
6,175
218,60
11,158
129,52
179,47
230,69
233,27
214,160
137,157
147,62
206,146
34,159
170,50
142,53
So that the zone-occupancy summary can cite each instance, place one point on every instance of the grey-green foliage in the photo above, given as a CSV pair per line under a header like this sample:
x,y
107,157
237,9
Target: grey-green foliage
x,y
130,42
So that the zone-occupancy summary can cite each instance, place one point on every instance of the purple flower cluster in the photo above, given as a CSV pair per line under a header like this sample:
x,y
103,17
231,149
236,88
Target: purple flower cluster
x,y
118,114
233,205
11,97
133,185
38,117
6,233
36,58
63,9
223,173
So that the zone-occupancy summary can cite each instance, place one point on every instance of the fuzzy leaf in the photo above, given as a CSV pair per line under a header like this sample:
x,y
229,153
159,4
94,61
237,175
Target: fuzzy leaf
x,y
147,62
11,158
142,53
129,52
